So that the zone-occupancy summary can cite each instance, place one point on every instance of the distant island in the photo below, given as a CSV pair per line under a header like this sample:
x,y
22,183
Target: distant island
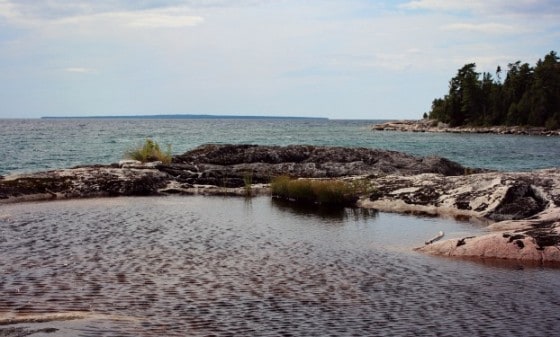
x,y
529,96
186,116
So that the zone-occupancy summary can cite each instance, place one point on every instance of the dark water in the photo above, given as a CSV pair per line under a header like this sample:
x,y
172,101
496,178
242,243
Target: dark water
x,y
32,145
201,266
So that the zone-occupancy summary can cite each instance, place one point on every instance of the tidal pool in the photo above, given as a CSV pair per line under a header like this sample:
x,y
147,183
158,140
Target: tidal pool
x,y
215,266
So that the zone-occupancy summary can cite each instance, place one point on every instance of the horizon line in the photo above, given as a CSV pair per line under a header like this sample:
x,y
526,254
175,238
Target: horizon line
x,y
183,116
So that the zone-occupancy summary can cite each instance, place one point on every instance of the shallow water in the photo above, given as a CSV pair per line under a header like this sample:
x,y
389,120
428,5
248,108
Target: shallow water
x,y
213,266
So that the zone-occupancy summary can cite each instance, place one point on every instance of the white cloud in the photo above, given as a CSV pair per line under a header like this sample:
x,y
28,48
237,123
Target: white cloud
x,y
160,20
488,28
10,13
446,5
155,18
80,70
58,14
497,8
389,61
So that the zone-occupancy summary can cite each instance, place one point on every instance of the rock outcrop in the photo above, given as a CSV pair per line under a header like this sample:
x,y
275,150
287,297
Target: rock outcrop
x,y
229,165
211,166
428,125
79,182
522,210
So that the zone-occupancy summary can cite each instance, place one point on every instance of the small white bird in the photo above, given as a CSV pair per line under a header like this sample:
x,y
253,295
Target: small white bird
x,y
435,238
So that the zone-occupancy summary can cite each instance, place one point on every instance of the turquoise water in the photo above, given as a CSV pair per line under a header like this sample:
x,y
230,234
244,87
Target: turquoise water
x,y
32,145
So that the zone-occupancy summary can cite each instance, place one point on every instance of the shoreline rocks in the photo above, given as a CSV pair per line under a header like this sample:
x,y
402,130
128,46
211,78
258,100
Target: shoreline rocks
x,y
228,167
522,209
428,125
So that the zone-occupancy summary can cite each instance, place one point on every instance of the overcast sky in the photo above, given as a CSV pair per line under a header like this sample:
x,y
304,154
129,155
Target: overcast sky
x,y
349,59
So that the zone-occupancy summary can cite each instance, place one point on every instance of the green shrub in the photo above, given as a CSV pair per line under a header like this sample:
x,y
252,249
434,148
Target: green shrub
x,y
323,192
150,151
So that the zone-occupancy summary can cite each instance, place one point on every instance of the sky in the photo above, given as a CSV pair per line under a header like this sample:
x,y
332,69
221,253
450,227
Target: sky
x,y
341,59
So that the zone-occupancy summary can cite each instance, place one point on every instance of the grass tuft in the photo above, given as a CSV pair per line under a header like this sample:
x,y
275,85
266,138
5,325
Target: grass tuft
x,y
322,192
248,183
150,151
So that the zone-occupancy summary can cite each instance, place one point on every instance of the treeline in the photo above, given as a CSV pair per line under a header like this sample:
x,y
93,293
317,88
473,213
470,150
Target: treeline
x,y
528,96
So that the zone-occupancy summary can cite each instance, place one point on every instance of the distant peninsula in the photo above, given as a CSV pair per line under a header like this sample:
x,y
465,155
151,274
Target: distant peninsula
x,y
187,116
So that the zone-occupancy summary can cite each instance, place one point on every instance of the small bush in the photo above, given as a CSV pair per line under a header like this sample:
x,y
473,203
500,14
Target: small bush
x,y
150,151
323,192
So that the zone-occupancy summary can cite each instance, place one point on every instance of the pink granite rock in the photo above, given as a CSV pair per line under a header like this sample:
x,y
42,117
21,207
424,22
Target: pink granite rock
x,y
522,210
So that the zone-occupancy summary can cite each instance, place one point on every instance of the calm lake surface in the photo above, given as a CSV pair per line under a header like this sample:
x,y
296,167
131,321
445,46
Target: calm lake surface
x,y
214,266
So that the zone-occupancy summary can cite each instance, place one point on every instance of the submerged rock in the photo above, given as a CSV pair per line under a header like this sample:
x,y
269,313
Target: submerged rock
x,y
21,331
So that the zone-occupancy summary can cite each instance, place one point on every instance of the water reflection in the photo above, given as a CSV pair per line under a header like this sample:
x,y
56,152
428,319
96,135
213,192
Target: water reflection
x,y
324,212
505,264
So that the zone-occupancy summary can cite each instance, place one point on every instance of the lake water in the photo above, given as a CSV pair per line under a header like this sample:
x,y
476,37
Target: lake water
x,y
201,266
214,266
31,145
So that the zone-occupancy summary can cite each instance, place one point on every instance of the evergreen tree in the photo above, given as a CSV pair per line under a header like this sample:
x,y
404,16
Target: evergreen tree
x,y
527,96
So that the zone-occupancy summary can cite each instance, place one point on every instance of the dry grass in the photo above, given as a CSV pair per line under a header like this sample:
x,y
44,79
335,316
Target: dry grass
x,y
323,192
150,151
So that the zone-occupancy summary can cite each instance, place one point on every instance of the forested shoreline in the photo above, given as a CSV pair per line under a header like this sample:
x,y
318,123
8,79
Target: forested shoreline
x,y
527,96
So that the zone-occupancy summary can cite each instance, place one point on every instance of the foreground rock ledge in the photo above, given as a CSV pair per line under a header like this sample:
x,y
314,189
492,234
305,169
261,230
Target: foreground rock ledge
x,y
522,209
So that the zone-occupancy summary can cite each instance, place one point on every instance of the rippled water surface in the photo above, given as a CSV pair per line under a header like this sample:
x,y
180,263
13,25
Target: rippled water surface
x,y
212,266
33,145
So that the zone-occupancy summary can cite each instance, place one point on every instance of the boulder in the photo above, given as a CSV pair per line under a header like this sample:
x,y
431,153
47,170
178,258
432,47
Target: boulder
x,y
537,244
